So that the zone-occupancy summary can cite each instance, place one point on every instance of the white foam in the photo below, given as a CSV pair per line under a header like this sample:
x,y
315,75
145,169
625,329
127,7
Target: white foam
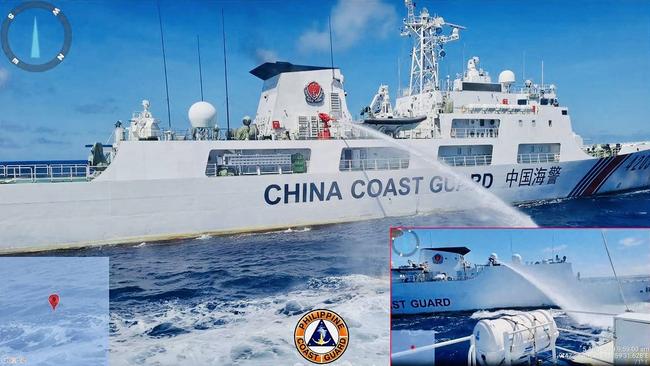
x,y
485,314
258,331
300,230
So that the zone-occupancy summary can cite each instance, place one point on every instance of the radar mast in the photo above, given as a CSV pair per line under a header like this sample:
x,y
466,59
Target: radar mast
x,y
428,43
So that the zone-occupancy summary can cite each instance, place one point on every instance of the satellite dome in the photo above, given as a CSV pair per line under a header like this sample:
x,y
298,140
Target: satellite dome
x,y
516,258
201,115
506,77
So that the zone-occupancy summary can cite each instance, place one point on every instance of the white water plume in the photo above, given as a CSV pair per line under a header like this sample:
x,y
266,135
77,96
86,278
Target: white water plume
x,y
568,296
481,196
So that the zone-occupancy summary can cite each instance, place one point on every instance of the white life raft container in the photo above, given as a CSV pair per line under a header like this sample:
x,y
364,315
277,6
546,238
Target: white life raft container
x,y
528,333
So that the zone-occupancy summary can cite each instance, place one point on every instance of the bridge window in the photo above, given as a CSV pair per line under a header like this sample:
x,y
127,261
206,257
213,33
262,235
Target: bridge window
x,y
538,153
475,128
257,162
373,158
465,155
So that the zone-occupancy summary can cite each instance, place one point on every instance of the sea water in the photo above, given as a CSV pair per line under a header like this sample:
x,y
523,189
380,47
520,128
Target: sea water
x,y
235,300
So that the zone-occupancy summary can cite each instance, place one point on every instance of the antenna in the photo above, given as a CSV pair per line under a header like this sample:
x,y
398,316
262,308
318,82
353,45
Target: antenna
x,y
428,37
225,75
198,51
399,78
552,244
542,73
523,72
162,43
329,22
620,289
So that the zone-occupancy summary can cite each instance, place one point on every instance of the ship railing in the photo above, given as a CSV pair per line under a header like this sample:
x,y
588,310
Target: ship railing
x,y
474,133
466,160
586,334
538,158
471,354
509,337
215,169
48,173
373,164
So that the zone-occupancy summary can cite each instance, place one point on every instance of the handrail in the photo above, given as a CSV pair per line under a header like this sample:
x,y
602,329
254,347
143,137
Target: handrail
x,y
433,346
538,158
213,169
582,354
479,132
466,160
373,164
47,172
507,338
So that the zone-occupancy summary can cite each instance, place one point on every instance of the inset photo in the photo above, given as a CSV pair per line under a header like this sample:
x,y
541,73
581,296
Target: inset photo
x,y
497,296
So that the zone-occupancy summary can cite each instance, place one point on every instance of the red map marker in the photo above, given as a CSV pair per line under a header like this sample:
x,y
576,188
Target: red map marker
x,y
54,301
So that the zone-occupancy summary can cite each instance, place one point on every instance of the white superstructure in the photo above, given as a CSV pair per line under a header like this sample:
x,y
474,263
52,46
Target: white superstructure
x,y
435,280
302,160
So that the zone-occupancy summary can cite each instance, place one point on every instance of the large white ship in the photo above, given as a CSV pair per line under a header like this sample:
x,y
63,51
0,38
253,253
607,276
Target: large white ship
x,y
440,279
304,161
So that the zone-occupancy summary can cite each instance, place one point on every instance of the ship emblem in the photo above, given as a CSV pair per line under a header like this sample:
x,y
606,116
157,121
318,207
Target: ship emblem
x,y
314,93
437,259
321,336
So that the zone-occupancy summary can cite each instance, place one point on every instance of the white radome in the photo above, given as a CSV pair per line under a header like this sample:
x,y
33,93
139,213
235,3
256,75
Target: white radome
x,y
202,115
506,77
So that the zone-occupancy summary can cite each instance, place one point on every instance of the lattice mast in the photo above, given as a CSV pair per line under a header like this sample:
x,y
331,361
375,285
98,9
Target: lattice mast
x,y
428,47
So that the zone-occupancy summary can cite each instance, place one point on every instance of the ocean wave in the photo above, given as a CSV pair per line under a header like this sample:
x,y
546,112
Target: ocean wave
x,y
488,314
253,331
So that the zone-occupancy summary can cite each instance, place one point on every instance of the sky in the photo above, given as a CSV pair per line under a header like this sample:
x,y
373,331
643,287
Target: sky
x,y
584,248
596,52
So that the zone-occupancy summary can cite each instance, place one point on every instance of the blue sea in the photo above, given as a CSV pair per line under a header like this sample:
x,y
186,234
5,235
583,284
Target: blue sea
x,y
73,333
235,300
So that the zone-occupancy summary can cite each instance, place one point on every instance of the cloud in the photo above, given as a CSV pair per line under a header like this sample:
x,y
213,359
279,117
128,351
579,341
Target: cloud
x,y
263,55
7,142
107,106
4,77
555,249
47,141
631,241
639,269
352,21
9,126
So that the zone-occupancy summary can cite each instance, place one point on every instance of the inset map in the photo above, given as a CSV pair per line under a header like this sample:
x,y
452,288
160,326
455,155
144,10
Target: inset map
x,y
36,329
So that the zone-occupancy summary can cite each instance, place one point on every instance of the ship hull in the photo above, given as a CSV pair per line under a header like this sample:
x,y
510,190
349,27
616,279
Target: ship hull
x,y
44,216
499,287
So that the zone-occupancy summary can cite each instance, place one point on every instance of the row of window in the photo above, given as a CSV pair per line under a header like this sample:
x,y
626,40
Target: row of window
x,y
296,161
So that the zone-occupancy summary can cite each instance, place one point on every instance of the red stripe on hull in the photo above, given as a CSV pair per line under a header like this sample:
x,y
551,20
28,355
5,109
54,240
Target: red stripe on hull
x,y
604,174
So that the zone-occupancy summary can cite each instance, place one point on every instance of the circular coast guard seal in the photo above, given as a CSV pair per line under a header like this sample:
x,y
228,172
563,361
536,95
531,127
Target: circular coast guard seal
x,y
321,336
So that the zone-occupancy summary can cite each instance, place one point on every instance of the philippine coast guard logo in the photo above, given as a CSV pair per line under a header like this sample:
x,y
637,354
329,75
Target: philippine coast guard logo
x,y
321,336
314,93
